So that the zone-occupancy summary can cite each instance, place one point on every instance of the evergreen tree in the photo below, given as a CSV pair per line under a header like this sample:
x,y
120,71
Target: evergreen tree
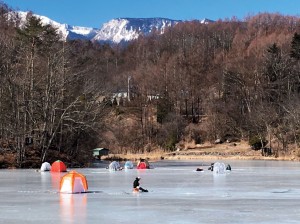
x,y
295,51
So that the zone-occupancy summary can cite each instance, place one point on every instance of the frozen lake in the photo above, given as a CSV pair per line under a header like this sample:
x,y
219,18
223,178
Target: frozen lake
x,y
253,192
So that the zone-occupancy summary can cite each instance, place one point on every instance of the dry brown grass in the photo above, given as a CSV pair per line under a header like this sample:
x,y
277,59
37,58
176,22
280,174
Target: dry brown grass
x,y
207,151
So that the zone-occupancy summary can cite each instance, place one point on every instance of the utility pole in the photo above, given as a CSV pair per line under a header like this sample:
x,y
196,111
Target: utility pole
x,y
128,85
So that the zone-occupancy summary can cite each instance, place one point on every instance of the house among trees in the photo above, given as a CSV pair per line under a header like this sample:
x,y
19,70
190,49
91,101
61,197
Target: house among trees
x,y
119,97
98,152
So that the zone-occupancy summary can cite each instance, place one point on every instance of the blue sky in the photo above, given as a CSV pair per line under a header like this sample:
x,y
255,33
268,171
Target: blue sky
x,y
93,13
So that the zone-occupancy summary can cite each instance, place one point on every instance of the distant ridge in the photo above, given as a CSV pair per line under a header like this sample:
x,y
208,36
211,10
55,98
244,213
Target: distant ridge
x,y
127,29
114,31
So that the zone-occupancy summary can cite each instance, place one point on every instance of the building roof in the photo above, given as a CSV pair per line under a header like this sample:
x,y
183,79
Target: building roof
x,y
100,149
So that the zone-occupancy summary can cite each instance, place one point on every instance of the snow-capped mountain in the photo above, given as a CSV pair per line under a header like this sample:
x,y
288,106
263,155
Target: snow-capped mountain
x,y
114,31
66,31
126,29
206,21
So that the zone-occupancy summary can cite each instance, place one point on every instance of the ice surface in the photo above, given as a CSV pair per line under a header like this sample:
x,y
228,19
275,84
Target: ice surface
x,y
253,192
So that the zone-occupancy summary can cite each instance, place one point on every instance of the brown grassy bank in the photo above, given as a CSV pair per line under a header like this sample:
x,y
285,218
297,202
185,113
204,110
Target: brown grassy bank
x,y
211,152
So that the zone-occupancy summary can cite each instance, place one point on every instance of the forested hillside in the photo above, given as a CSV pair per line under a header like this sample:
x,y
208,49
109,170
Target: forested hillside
x,y
227,80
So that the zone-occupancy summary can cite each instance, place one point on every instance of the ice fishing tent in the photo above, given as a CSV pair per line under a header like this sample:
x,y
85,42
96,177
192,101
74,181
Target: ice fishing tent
x,y
128,165
143,164
114,166
45,167
220,168
73,182
58,166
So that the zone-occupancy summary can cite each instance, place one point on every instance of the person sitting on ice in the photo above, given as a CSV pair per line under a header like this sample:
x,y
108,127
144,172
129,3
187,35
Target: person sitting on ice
x,y
228,167
136,186
211,168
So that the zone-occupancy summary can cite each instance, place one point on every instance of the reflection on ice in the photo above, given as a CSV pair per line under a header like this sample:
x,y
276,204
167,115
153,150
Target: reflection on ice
x,y
73,208
55,179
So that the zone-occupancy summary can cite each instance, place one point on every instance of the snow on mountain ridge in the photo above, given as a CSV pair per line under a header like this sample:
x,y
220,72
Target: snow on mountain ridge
x,y
114,31
66,31
126,29
206,21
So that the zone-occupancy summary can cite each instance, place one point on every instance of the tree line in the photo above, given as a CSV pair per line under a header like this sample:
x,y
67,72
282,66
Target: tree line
x,y
228,80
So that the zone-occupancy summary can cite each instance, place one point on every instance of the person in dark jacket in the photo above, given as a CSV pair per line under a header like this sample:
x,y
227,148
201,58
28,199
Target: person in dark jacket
x,y
211,168
136,186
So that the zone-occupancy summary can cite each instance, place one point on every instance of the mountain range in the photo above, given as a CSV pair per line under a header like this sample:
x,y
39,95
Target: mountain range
x,y
114,31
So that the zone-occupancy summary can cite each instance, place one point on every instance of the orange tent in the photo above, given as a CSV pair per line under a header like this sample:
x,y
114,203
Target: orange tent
x,y
58,166
73,182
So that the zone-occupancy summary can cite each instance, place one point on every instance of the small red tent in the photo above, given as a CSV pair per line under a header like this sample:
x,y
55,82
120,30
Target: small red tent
x,y
58,166
73,182
142,165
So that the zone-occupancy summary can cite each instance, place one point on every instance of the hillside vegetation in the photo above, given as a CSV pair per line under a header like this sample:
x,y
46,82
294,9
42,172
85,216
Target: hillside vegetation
x,y
229,80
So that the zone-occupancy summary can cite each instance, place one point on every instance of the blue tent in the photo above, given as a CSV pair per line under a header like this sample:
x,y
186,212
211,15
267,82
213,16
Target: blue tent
x,y
128,165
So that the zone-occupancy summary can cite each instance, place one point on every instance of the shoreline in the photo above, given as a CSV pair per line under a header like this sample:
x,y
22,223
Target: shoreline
x,y
151,158
208,152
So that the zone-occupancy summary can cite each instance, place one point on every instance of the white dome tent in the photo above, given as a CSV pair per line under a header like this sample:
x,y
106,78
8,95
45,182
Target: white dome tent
x,y
45,167
114,166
